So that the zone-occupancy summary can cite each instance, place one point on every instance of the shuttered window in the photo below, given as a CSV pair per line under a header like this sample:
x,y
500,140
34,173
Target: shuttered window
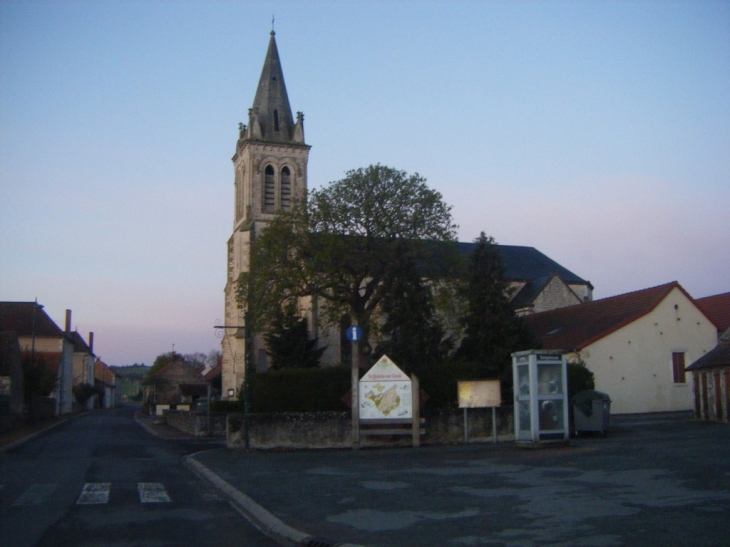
x,y
678,367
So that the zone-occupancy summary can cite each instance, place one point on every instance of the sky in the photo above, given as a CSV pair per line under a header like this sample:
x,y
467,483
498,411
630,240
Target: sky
x,y
596,132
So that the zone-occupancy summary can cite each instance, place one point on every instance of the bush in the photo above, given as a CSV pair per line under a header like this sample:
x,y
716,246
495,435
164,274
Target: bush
x,y
299,390
579,378
440,382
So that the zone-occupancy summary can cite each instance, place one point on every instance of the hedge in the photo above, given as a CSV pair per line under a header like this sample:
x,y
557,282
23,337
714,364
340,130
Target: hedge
x,y
299,390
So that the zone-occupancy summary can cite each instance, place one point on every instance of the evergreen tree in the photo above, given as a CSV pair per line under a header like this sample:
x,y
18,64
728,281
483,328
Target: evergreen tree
x,y
414,336
492,330
289,345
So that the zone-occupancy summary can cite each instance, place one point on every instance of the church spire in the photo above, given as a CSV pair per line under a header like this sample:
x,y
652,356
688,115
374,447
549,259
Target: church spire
x,y
271,119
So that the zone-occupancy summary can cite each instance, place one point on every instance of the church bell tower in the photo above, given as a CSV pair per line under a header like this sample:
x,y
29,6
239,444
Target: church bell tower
x,y
270,171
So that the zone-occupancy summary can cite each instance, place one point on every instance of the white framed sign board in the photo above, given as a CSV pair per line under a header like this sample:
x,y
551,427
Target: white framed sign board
x,y
385,392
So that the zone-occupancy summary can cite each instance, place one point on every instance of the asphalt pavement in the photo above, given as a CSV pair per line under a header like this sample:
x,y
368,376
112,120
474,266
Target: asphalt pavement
x,y
654,480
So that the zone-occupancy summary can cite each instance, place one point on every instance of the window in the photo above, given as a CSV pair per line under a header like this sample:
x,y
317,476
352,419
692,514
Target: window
x,y
269,189
678,367
276,120
285,189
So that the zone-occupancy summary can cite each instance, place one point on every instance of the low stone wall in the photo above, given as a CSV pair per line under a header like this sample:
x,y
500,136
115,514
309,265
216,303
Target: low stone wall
x,y
333,430
196,423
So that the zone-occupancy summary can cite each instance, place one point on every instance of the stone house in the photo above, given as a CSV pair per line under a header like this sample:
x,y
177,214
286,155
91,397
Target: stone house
x,y
711,372
174,387
636,344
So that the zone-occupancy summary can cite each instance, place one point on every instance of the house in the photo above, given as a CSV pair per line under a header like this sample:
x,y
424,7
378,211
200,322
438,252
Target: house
x,y
175,386
42,341
107,383
711,372
717,308
83,363
270,170
636,344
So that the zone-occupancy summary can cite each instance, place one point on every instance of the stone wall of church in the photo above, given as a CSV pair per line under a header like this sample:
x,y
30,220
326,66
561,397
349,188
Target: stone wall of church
x,y
556,294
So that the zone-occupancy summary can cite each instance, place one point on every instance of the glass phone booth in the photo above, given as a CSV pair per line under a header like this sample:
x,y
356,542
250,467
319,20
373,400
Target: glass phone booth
x,y
541,396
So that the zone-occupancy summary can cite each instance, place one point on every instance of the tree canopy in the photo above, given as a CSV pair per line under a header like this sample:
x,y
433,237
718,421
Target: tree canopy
x,y
341,246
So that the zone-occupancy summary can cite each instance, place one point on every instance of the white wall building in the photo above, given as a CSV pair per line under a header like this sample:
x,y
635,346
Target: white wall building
x,y
636,344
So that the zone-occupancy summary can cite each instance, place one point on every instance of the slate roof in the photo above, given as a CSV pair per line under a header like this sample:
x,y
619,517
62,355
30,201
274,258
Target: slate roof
x,y
271,96
718,357
717,309
18,317
576,327
528,264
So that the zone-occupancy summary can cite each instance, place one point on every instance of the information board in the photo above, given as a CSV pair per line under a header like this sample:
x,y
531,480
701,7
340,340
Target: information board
x,y
385,392
479,394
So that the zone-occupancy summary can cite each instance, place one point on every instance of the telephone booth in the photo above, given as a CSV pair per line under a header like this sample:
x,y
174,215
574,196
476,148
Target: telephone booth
x,y
541,396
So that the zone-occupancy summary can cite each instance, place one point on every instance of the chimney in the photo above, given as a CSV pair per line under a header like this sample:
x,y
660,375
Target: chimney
x,y
91,343
68,321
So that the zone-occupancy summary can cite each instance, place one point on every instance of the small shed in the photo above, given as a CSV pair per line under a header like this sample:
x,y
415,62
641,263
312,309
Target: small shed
x,y
712,384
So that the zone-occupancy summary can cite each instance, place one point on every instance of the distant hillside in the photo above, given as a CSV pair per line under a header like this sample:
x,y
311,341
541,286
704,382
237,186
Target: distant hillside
x,y
131,380
132,371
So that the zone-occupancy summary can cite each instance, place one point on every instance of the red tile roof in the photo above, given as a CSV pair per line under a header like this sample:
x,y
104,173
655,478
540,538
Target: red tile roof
x,y
717,309
103,373
216,371
576,327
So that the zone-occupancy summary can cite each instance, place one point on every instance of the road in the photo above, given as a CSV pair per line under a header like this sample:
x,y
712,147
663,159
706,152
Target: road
x,y
102,480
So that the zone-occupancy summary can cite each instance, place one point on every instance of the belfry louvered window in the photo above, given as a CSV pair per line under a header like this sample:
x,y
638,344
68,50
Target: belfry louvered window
x,y
269,189
285,189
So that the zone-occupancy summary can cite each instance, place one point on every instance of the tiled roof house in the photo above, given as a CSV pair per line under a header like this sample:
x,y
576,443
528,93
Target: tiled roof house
x,y
38,334
717,308
637,345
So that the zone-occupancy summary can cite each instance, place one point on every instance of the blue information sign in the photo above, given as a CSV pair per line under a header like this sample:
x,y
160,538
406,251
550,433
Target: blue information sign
x,y
354,334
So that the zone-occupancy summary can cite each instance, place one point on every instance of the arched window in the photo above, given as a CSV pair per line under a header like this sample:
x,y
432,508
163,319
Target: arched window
x,y
285,189
269,189
276,120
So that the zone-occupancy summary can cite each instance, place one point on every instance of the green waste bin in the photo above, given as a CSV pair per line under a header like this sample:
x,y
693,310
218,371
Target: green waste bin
x,y
591,411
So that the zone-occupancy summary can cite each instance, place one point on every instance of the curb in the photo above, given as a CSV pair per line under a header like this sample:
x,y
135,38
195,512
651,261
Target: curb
x,y
257,515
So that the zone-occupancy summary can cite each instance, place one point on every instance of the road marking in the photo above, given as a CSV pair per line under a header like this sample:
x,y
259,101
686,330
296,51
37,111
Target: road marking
x,y
94,493
35,494
152,492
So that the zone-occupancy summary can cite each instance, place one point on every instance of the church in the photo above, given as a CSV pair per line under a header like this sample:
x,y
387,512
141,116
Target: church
x,y
270,171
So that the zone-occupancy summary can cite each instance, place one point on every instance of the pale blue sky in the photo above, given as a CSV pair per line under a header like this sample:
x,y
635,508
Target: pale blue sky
x,y
597,132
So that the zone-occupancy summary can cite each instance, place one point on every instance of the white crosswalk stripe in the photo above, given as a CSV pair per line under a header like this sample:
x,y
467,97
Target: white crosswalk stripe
x,y
36,494
152,492
94,493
